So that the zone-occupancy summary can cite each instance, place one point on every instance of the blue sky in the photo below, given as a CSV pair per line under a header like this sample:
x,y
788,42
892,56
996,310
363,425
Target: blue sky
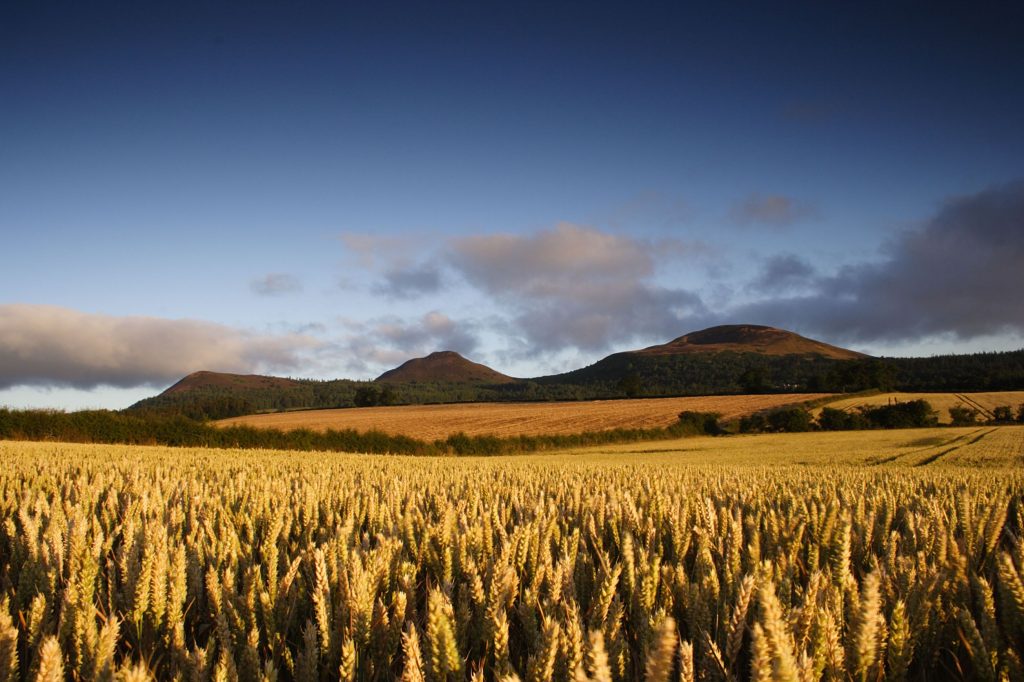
x,y
315,190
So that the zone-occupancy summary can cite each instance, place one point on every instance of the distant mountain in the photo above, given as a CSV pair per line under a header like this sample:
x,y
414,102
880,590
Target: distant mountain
x,y
749,338
443,367
741,358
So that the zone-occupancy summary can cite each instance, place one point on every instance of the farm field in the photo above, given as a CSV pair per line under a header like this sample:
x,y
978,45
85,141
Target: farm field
x,y
429,422
856,555
984,402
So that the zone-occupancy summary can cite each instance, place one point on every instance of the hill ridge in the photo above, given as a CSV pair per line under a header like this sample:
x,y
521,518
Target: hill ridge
x,y
444,366
749,338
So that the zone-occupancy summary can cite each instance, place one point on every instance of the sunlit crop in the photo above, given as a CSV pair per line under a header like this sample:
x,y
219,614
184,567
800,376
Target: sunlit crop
x,y
195,565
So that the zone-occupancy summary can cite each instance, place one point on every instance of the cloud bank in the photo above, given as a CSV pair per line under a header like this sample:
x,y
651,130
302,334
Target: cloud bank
x,y
44,345
960,274
575,286
390,341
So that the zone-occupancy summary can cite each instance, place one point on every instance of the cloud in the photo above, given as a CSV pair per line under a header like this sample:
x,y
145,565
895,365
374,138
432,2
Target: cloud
x,y
574,286
409,282
389,341
52,346
774,210
568,260
960,274
276,284
650,209
371,249
784,272
399,260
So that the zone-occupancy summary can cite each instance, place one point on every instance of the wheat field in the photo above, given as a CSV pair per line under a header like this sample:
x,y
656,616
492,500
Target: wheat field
x,y
429,422
984,402
868,555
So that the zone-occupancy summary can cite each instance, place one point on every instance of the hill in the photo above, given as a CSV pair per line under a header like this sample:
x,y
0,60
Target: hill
x,y
203,381
732,359
724,359
443,367
749,338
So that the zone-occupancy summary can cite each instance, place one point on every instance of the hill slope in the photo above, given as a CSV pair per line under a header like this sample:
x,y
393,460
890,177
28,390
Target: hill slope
x,y
444,367
206,381
749,338
729,359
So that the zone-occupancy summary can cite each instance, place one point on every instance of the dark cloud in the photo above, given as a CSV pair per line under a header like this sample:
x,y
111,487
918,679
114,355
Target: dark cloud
x,y
784,272
276,284
960,274
575,287
410,282
52,346
774,210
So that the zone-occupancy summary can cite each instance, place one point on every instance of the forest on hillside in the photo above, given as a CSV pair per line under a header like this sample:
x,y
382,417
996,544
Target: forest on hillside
x,y
625,375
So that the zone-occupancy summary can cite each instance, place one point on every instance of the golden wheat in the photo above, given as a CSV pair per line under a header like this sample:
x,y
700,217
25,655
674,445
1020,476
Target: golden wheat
x,y
776,558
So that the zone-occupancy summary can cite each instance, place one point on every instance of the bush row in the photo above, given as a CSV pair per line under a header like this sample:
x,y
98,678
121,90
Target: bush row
x,y
104,426
905,415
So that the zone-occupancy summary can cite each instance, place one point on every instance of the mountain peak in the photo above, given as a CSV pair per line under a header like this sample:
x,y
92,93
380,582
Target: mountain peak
x,y
444,366
749,338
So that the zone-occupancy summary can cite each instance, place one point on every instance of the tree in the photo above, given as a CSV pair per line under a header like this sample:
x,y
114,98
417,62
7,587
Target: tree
x,y
790,420
754,380
631,385
1002,414
366,396
963,416
753,423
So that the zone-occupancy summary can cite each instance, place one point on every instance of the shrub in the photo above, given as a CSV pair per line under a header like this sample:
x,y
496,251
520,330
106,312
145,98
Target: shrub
x,y
963,416
790,420
1002,414
699,423
906,415
753,423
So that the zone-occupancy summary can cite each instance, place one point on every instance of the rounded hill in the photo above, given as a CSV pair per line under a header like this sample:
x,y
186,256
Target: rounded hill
x,y
749,338
444,367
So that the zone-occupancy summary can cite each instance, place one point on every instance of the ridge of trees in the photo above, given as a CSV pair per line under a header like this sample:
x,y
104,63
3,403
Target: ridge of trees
x,y
624,376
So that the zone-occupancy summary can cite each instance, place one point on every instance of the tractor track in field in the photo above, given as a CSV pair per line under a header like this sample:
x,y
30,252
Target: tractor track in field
x,y
877,461
933,458
972,403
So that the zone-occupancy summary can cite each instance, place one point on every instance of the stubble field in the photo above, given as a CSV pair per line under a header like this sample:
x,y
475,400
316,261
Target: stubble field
x,y
864,555
429,422
984,402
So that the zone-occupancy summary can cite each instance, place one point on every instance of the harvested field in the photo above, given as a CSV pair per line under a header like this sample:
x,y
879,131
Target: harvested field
x,y
941,402
430,422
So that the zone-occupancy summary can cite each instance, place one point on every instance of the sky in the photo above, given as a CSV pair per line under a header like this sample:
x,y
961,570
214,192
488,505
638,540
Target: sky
x,y
329,189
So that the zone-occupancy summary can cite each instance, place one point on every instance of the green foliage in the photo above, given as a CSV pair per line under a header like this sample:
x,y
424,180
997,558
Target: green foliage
x,y
700,423
104,426
620,375
1002,414
789,420
753,423
901,415
961,415
832,419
